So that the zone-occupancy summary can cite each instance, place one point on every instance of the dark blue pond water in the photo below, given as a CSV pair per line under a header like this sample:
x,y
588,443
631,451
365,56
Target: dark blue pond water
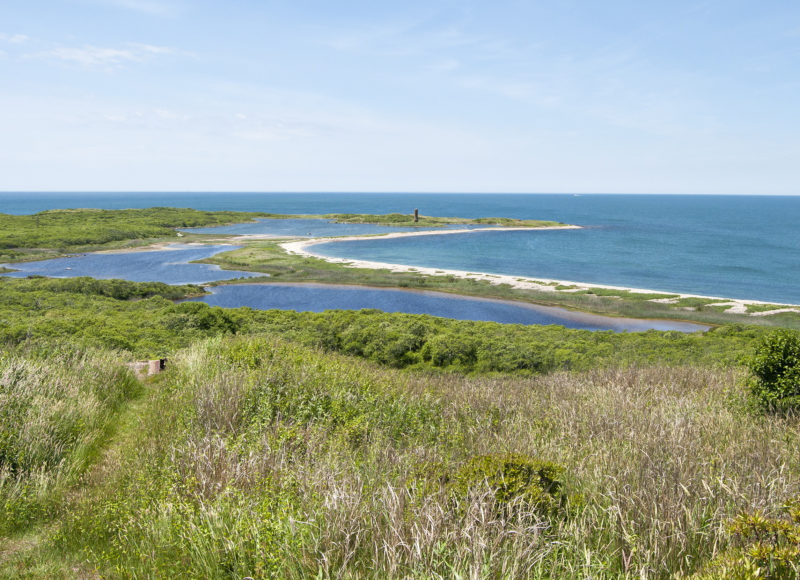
x,y
171,266
317,298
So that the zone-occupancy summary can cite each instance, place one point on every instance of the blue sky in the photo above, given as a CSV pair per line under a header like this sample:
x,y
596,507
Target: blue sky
x,y
511,96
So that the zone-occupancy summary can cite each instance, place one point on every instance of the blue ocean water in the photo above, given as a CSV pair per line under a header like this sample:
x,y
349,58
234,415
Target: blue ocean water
x,y
735,267
170,266
734,246
317,298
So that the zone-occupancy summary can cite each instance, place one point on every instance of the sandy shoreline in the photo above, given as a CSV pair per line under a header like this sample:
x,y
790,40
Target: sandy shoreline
x,y
301,248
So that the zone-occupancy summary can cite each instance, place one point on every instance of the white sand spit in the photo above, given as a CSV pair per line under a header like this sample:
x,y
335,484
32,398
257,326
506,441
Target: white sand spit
x,y
302,248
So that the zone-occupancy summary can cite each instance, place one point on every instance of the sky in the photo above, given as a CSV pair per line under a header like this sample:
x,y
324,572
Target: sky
x,y
619,96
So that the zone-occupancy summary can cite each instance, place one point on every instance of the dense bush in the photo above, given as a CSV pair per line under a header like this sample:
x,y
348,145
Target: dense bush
x,y
141,318
117,289
65,228
776,370
511,476
765,547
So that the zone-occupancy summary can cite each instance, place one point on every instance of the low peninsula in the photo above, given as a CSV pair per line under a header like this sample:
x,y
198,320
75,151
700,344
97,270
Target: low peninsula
x,y
54,233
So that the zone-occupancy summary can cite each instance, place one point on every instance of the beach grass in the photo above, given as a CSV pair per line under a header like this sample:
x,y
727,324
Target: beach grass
x,y
253,456
764,307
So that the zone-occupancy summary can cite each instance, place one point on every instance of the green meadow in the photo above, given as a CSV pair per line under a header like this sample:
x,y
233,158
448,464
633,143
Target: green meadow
x,y
362,444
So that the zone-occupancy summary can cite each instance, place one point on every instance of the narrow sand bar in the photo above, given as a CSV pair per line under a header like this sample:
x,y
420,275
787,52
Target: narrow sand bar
x,y
301,248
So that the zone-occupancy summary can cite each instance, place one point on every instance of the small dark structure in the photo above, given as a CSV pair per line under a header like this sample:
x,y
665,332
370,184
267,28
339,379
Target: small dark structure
x,y
416,215
146,368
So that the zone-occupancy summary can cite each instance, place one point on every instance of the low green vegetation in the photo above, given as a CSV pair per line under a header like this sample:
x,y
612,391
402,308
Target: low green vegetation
x,y
69,230
401,219
55,409
254,456
671,301
627,294
764,307
142,318
775,367
117,289
763,547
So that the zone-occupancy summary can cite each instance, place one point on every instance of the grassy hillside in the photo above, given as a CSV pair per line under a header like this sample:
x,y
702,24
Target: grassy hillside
x,y
363,444
55,412
253,456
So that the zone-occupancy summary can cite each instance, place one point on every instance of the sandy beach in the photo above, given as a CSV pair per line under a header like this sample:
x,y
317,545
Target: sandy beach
x,y
302,248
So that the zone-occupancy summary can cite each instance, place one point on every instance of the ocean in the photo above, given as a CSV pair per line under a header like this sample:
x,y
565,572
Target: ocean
x,y
733,246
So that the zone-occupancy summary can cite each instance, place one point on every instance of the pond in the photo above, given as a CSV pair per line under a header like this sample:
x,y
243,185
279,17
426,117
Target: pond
x,y
170,265
319,297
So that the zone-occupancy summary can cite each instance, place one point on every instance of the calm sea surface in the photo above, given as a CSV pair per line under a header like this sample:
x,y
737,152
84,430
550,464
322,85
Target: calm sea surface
x,y
735,246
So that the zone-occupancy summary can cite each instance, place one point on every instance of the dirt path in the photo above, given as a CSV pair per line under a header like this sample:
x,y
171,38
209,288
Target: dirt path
x,y
30,554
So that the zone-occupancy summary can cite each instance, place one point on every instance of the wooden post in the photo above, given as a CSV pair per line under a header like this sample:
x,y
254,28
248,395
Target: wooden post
x,y
416,215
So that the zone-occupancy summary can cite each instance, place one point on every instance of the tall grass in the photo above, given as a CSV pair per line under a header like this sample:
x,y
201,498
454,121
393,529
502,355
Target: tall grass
x,y
54,412
260,458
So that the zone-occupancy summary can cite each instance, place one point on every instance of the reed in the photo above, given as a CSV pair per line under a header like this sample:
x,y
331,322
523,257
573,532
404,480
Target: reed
x,y
262,458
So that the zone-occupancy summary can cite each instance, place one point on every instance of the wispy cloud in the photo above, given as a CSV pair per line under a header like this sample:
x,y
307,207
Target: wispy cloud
x,y
153,7
13,38
104,58
445,65
152,48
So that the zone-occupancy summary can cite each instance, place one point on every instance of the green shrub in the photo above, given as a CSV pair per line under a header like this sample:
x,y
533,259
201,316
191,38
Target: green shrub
x,y
764,548
512,476
509,476
776,370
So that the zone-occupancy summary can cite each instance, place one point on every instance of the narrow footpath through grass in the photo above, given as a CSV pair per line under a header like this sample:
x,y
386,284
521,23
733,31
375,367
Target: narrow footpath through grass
x,y
31,553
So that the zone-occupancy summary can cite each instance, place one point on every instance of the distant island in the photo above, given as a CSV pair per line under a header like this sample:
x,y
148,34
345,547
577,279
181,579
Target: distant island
x,y
56,232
